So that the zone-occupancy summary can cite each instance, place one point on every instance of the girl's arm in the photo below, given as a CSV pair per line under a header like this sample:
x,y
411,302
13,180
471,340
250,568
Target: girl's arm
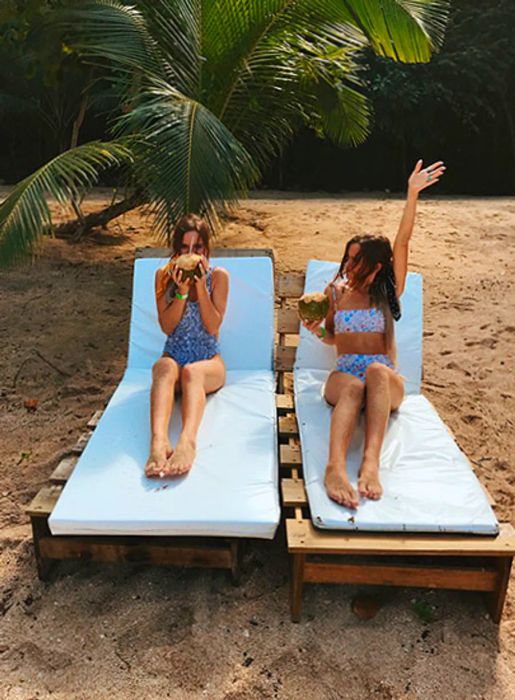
x,y
212,307
418,181
170,313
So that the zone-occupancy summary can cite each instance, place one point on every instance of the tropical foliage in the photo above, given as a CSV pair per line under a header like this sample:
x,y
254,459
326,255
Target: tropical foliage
x,y
460,107
207,92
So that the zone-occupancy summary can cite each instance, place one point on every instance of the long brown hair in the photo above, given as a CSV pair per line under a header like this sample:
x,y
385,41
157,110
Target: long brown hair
x,y
382,292
190,222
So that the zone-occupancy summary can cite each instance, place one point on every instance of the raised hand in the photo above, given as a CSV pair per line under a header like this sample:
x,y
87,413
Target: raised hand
x,y
421,178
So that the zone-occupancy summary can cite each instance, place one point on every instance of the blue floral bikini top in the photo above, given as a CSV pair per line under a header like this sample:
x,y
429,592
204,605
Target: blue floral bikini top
x,y
358,320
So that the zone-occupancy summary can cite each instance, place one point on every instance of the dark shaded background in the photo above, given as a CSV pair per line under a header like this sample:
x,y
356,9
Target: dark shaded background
x,y
460,107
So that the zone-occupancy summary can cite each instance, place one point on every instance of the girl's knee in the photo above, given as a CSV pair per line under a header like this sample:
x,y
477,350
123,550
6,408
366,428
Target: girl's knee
x,y
165,367
376,372
191,373
346,389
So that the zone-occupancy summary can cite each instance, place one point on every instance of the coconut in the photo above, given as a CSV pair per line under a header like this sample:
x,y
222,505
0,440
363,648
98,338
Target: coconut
x,y
313,307
189,265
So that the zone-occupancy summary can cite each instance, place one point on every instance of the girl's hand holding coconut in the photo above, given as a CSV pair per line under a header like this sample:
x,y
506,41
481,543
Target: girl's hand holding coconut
x,y
182,285
313,310
200,279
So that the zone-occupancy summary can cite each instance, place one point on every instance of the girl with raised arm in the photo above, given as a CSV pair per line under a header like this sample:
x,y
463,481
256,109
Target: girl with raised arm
x,y
364,303
191,309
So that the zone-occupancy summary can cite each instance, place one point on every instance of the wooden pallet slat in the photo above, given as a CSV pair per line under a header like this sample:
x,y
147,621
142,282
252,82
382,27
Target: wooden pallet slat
x,y
112,549
285,358
290,455
290,284
44,501
288,426
81,443
93,421
63,471
385,574
304,537
293,492
284,402
288,321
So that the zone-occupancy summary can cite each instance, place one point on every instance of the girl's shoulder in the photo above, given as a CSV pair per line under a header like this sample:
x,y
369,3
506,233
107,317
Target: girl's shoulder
x,y
334,290
219,273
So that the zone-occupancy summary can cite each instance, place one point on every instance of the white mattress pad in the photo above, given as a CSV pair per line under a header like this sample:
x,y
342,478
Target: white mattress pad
x,y
429,485
231,490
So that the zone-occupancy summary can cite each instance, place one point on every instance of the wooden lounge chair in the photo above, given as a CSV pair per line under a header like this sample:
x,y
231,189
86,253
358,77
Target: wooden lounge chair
x,y
161,547
453,561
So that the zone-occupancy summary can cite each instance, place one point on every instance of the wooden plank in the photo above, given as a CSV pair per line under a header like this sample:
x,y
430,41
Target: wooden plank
x,y
284,402
293,492
290,284
81,443
110,550
288,321
495,600
285,358
296,586
44,501
93,421
215,253
289,455
62,472
303,537
419,576
39,530
288,426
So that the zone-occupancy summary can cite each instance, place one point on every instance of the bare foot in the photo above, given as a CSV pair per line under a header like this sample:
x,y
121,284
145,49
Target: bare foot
x,y
338,486
368,483
157,463
183,457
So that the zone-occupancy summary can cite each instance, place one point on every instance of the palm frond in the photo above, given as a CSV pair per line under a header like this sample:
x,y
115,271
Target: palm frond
x,y
25,215
405,30
111,34
176,27
187,159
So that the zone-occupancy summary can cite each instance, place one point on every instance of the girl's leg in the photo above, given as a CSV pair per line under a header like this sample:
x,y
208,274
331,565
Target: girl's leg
x,y
165,374
197,380
345,392
384,394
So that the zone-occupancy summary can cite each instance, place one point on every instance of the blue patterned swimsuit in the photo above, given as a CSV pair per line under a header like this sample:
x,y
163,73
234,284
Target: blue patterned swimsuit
x,y
359,321
189,341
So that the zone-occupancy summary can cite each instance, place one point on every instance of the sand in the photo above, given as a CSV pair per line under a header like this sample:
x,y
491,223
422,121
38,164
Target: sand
x,y
98,631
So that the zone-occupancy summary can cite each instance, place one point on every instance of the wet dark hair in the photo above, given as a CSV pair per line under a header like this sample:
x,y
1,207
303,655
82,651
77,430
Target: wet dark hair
x,y
190,222
374,250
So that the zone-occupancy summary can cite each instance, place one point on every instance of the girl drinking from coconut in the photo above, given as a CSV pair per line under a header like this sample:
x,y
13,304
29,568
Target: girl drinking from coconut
x,y
191,300
363,304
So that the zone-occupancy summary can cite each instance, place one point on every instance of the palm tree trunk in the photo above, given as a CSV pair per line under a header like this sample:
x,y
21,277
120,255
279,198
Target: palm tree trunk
x,y
79,227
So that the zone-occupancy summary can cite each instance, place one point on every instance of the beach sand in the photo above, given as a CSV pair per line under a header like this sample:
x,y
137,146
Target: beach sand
x,y
99,631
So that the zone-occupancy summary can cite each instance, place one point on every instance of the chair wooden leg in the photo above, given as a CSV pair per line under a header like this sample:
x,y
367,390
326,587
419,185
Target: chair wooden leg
x,y
296,585
40,529
495,599
236,554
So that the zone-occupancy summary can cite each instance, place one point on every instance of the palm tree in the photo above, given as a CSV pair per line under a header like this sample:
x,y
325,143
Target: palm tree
x,y
210,91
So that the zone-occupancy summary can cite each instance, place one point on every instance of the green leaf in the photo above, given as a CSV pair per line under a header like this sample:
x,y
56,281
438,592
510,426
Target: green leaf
x,y
187,159
25,214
